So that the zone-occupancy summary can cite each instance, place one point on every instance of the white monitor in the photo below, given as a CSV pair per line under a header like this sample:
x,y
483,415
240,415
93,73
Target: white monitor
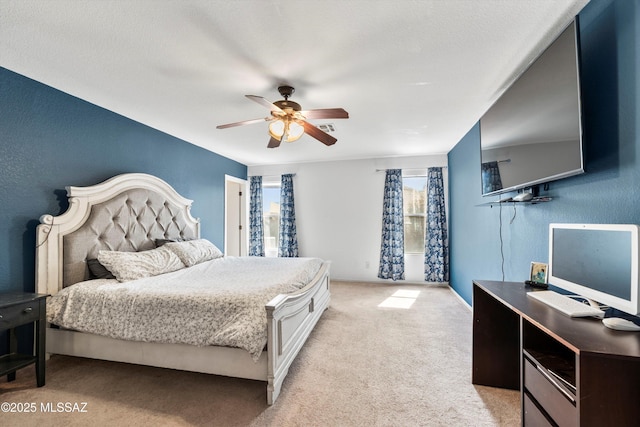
x,y
596,261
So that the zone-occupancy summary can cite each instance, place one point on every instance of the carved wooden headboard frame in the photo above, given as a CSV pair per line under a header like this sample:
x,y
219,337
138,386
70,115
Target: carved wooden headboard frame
x,y
126,213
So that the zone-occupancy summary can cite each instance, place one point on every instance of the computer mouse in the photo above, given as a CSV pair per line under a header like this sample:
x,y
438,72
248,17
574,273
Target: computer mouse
x,y
620,324
522,197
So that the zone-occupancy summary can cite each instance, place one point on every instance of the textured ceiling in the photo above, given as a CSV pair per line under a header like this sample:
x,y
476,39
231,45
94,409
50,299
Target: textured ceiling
x,y
415,75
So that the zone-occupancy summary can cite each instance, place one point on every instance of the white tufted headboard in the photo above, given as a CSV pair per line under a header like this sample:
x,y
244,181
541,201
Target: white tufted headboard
x,y
125,213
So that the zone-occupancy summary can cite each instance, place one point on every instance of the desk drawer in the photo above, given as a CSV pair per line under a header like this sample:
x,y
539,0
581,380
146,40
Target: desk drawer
x,y
549,396
19,314
533,417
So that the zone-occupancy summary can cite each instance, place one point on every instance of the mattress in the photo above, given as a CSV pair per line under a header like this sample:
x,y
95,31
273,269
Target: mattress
x,y
218,302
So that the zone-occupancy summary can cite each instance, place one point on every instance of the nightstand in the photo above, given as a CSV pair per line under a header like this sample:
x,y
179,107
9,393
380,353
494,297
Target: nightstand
x,y
16,309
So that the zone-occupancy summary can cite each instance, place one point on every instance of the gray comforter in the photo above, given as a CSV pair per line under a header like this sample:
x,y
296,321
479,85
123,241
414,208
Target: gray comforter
x,y
218,302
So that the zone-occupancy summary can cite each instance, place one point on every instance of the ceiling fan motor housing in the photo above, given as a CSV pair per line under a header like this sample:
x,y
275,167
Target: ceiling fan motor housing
x,y
286,91
284,104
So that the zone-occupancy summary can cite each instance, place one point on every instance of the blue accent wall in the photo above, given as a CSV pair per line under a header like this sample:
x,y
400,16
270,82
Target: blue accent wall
x,y
49,139
609,191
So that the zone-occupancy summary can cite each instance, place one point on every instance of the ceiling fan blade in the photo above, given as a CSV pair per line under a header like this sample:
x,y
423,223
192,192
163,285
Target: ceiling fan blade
x,y
326,113
273,143
265,103
244,122
318,134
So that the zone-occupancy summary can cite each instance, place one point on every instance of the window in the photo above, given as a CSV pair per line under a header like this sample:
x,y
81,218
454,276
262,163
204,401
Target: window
x,y
271,218
414,200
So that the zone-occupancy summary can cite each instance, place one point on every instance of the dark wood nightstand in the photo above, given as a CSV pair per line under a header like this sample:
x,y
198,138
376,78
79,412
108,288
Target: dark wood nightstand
x,y
18,309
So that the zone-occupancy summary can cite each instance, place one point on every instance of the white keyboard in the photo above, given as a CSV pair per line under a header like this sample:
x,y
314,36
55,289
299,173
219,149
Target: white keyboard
x,y
565,304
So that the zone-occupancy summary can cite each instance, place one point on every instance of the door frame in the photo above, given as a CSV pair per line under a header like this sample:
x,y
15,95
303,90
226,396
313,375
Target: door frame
x,y
230,181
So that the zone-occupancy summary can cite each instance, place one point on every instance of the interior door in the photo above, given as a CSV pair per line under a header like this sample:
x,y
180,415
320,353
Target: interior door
x,y
235,241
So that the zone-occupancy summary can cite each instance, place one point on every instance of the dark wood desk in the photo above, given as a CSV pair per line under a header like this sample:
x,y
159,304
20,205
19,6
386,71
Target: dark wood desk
x,y
570,371
17,309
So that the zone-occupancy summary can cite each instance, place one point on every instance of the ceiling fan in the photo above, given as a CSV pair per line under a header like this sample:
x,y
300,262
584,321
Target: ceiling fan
x,y
289,121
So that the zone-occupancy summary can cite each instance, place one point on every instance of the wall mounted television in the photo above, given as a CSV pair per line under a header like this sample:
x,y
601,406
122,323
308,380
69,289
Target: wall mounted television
x,y
597,261
533,133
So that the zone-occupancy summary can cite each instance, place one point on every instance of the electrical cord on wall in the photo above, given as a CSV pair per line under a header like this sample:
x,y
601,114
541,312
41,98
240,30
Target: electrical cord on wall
x,y
47,231
501,243
513,218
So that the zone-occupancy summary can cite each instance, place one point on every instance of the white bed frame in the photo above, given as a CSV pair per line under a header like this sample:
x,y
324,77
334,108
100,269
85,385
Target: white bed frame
x,y
290,317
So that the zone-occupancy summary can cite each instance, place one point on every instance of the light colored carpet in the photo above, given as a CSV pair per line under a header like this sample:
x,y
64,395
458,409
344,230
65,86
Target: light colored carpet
x,y
362,365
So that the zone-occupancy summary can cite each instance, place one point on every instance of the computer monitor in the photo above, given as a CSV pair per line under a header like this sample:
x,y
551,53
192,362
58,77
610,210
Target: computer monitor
x,y
596,261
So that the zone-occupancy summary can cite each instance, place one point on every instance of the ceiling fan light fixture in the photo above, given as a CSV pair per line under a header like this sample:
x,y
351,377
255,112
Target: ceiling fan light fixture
x,y
293,130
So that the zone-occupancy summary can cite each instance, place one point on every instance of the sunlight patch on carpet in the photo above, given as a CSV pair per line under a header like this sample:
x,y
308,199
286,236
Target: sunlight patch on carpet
x,y
402,298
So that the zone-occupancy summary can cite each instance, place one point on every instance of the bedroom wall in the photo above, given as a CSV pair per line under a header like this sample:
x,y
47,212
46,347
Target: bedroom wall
x,y
607,193
339,212
49,140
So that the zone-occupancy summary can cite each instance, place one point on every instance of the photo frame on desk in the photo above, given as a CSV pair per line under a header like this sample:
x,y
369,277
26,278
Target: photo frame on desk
x,y
538,273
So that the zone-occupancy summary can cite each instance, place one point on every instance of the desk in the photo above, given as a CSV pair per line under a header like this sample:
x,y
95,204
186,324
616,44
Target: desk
x,y
570,371
18,309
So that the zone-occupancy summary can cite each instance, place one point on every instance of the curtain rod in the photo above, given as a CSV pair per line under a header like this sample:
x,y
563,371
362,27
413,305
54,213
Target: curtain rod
x,y
273,176
413,169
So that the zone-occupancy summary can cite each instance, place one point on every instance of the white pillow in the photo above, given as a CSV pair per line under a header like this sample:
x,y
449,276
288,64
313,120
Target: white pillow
x,y
192,252
136,265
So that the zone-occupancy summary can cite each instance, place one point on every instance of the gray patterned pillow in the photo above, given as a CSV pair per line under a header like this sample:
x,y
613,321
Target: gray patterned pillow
x,y
193,252
136,265
98,271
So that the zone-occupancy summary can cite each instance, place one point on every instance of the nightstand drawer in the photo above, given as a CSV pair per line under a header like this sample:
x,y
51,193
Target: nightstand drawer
x,y
17,309
19,314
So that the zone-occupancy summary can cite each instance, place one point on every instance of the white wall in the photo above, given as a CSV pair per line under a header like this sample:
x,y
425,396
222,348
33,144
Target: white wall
x,y
339,211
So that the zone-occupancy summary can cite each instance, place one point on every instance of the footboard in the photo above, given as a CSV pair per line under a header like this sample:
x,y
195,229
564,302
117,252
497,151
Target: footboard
x,y
290,320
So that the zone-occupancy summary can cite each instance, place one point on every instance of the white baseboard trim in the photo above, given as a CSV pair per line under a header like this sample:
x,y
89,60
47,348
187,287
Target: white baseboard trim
x,y
466,304
389,282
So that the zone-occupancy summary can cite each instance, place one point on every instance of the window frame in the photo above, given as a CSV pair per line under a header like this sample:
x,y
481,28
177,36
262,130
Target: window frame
x,y
270,252
422,215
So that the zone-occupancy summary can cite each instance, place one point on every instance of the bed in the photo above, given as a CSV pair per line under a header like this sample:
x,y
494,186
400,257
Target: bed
x,y
131,213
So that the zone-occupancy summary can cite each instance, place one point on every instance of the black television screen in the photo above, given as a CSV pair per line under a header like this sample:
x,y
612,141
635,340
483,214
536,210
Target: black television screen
x,y
533,133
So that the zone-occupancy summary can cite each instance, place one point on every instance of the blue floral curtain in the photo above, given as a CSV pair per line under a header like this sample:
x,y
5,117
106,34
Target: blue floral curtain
x,y
436,242
256,231
288,246
392,245
491,180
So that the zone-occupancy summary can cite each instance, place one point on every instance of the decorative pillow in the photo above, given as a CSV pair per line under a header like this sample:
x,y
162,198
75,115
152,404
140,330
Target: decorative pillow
x,y
193,252
160,242
98,271
127,266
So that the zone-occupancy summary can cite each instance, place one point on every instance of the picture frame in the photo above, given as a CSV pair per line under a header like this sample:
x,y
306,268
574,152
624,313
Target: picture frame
x,y
538,272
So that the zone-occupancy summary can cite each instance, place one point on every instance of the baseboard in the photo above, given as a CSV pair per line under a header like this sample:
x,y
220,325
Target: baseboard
x,y
390,282
466,304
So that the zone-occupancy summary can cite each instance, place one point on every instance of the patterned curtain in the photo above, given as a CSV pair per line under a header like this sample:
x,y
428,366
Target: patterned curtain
x,y
392,245
256,233
436,241
288,246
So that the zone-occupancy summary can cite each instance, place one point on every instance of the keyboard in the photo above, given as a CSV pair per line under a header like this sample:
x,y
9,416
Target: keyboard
x,y
565,304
